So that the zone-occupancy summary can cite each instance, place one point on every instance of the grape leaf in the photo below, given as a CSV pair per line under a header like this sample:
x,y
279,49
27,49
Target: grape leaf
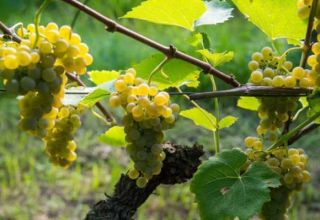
x,y
178,73
217,59
227,121
278,19
222,192
217,12
182,13
249,103
100,77
92,98
201,117
115,137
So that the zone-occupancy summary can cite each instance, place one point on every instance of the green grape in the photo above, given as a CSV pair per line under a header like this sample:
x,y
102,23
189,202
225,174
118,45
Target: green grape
x,y
48,74
256,77
35,73
142,182
278,81
253,65
286,163
27,83
12,86
267,53
133,174
257,57
11,62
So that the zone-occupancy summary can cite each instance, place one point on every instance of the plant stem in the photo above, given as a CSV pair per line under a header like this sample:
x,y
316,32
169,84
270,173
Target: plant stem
x,y
37,19
284,138
76,15
307,43
216,135
170,51
158,68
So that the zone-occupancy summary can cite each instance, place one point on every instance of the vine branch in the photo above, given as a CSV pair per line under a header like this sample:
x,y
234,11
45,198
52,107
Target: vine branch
x,y
255,91
170,51
8,32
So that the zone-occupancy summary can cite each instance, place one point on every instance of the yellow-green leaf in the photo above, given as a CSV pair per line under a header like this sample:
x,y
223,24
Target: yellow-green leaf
x,y
201,117
177,73
217,59
115,137
92,98
100,77
227,121
249,103
182,13
278,19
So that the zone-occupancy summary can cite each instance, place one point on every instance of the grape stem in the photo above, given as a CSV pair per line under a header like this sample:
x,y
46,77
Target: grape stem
x,y
293,132
170,51
158,68
37,19
307,40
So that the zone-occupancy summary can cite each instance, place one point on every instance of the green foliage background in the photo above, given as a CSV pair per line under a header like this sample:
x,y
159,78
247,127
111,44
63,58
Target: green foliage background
x,y
31,188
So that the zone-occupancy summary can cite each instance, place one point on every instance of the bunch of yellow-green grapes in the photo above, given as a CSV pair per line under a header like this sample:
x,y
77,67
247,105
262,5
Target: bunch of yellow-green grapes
x,y
304,9
148,113
60,145
290,164
270,70
36,69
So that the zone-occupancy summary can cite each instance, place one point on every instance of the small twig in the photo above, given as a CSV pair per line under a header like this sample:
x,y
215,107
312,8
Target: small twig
x,y
307,43
103,110
170,51
302,132
8,32
76,15
37,19
158,68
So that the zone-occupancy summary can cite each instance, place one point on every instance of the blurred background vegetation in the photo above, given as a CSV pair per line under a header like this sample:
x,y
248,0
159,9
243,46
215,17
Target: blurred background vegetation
x,y
32,189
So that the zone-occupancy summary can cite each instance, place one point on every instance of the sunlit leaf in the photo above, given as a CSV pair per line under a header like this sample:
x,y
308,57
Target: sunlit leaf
x,y
227,121
100,77
73,96
278,19
249,103
217,59
222,192
182,13
201,117
178,73
92,98
217,12
115,137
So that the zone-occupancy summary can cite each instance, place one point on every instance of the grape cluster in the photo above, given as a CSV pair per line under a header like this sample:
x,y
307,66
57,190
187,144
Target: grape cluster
x,y
276,208
270,70
60,146
35,70
36,67
148,113
291,165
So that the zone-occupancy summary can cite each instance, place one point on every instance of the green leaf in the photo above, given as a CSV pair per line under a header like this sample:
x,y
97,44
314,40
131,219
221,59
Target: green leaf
x,y
278,19
217,59
179,73
201,117
92,98
217,12
304,102
100,77
222,192
115,137
227,121
249,103
182,13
